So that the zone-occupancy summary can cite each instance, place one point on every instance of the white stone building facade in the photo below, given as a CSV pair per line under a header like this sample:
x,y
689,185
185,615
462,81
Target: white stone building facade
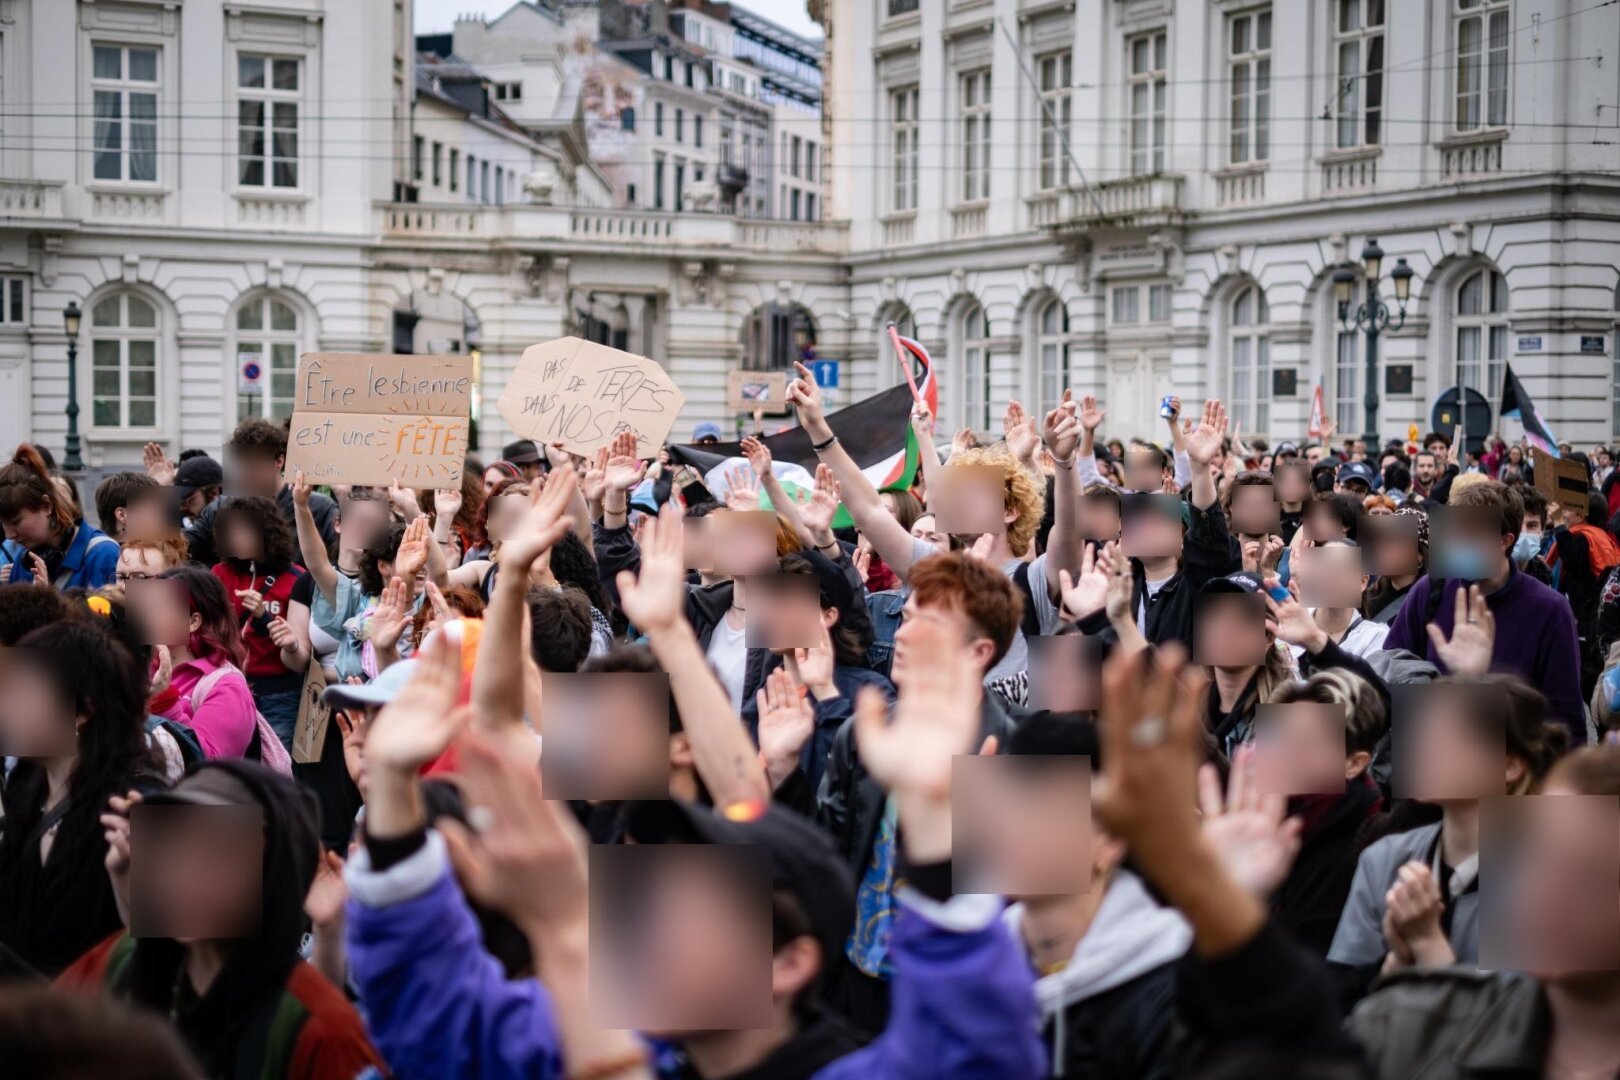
x,y
1186,238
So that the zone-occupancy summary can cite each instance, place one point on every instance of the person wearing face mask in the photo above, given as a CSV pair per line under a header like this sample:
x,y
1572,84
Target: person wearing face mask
x,y
1530,550
1584,552
1542,646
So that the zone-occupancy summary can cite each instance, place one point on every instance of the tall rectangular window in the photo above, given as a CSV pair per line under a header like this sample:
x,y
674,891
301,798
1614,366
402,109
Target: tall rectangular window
x,y
1159,303
658,181
455,167
472,177
680,186
1347,403
1149,92
1482,63
975,111
438,163
416,157
658,118
680,124
124,84
797,145
267,99
13,309
1126,301
903,148
1248,69
483,181
697,131
1358,37
1056,73
809,161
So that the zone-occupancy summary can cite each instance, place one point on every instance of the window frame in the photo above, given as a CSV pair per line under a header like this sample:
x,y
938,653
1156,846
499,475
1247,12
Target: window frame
x,y
1490,327
1350,104
123,336
14,300
267,338
1492,57
1254,62
126,87
903,131
1056,117
1253,333
272,101
977,396
1054,356
1147,127
973,90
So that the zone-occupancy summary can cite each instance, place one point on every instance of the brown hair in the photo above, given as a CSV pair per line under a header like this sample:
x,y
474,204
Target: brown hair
x,y
1591,770
171,547
113,494
256,435
907,507
26,484
960,582
1495,496
787,538
47,1032
1021,494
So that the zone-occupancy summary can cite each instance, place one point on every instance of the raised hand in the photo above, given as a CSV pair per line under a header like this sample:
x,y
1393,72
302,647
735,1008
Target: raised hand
x,y
1250,831
412,557
1060,431
1086,594
593,482
527,859
1019,432
447,502
1090,415
786,721
353,728
862,558
821,508
157,463
814,667
758,455
404,500
1473,635
438,608
964,440
115,829
1412,909
1170,487
1204,441
164,670
391,616
742,489
544,523
300,489
416,726
624,469
922,416
327,893
935,718
805,396
655,599
1291,621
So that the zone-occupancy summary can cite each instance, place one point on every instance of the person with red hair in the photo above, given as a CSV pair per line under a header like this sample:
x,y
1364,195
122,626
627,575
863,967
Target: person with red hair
x,y
47,538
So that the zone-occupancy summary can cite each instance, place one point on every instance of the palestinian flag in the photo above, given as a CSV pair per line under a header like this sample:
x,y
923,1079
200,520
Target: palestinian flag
x,y
875,432
1517,404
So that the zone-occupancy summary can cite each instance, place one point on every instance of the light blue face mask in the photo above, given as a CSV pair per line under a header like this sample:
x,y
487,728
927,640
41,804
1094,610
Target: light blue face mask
x,y
1611,688
1526,547
1463,561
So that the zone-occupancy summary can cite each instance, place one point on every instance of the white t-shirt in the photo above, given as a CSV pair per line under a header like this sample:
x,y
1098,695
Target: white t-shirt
x,y
728,652
1017,658
1363,638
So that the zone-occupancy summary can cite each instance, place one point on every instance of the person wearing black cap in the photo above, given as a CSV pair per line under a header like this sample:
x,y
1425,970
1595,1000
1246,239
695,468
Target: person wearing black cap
x,y
523,454
197,482
1355,477
246,1006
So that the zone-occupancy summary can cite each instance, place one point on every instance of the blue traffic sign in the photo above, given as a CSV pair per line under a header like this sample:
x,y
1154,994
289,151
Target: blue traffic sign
x,y
826,373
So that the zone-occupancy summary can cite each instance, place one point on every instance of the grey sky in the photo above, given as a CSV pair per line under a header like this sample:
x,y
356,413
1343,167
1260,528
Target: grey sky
x,y
437,16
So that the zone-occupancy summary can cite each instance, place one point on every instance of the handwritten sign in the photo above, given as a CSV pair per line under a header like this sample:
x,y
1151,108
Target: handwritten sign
x,y
1561,480
363,419
765,391
582,394
309,736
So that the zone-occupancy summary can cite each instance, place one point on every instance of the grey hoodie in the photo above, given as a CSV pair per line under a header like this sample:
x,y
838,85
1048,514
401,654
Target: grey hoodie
x,y
1129,936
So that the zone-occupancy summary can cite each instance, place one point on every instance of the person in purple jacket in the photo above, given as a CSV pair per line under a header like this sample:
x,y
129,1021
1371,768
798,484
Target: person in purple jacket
x,y
1504,620
436,1004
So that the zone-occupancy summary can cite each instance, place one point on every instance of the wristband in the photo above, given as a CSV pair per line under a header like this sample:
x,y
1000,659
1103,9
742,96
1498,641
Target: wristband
x,y
1060,463
606,509
819,447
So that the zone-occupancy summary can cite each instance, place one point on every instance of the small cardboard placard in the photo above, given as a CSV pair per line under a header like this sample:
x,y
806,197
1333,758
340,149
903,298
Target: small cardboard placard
x,y
1561,480
372,419
581,394
309,737
764,391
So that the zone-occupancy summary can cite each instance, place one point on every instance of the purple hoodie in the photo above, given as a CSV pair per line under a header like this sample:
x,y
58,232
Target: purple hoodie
x,y
1535,639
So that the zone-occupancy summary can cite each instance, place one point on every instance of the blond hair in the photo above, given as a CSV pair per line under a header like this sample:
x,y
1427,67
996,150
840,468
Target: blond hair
x,y
1020,493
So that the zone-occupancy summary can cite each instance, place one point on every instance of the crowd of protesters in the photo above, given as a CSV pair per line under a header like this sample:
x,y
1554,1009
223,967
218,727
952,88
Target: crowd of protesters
x,y
1070,756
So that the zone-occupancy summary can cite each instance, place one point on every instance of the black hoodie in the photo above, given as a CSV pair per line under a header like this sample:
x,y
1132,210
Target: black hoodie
x,y
257,970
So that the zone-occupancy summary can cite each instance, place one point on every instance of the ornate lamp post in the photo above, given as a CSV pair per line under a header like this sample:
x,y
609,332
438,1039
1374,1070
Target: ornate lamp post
x,y
72,462
1372,316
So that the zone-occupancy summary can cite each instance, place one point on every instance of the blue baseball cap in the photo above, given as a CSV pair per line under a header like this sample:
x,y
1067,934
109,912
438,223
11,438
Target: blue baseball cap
x,y
1357,470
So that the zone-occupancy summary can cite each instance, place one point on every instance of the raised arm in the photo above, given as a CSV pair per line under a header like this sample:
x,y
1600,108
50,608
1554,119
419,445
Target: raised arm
x,y
888,538
311,548
1203,443
922,426
656,603
759,459
1064,545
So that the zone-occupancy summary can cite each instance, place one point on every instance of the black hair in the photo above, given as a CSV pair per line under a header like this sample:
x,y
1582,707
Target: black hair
x,y
1397,477
187,455
573,564
27,608
371,579
849,643
1050,733
264,515
1345,508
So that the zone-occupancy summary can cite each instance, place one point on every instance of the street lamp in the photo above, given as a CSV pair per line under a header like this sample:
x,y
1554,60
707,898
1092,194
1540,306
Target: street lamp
x,y
1372,316
72,462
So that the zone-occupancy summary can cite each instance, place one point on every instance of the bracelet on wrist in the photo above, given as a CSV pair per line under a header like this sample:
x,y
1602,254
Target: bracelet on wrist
x,y
1062,463
820,446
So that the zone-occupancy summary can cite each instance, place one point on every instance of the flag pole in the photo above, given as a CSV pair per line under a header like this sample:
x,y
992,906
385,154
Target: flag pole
x,y
905,364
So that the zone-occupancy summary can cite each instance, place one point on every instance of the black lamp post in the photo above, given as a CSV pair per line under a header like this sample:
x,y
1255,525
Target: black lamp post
x,y
71,461
1373,317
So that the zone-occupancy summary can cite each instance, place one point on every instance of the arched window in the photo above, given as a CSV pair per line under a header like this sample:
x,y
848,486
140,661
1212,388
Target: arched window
x,y
976,397
1482,331
1052,349
1249,359
776,335
123,362
267,335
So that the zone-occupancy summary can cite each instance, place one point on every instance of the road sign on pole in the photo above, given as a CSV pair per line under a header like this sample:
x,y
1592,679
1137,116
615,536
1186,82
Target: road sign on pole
x,y
826,373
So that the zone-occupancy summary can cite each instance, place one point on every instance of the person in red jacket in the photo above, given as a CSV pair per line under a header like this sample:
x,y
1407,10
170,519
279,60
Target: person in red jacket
x,y
258,572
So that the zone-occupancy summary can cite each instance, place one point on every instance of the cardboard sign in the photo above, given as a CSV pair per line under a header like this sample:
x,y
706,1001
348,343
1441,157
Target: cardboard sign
x,y
765,391
1562,481
372,419
309,737
581,394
